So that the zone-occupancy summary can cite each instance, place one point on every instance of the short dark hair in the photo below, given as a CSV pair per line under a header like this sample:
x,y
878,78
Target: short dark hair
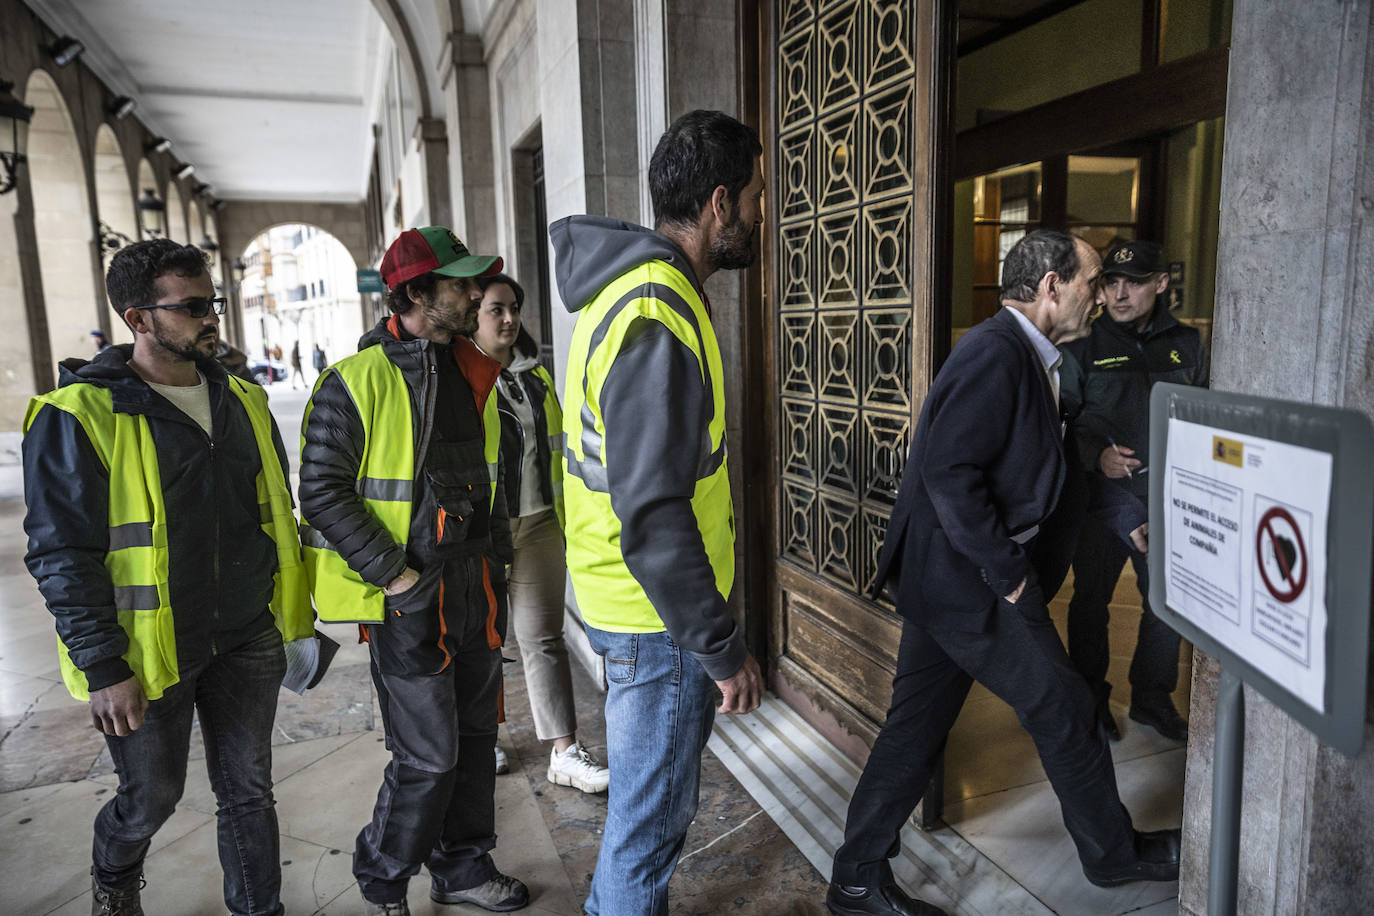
x,y
132,277
1037,254
398,299
701,151
493,279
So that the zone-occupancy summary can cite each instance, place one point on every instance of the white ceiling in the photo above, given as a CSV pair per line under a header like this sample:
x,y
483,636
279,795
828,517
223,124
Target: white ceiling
x,y
268,99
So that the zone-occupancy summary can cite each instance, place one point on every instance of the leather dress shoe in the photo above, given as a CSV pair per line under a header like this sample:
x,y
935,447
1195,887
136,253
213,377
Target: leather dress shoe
x,y
1162,717
887,900
1156,859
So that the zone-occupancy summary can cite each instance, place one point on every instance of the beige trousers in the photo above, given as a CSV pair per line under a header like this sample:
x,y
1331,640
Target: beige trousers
x,y
536,612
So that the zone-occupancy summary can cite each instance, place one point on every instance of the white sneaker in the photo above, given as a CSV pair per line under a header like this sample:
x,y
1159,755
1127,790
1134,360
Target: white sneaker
x,y
579,769
502,764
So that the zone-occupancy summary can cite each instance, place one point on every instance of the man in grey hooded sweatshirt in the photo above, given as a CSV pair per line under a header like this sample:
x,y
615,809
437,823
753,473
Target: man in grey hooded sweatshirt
x,y
650,527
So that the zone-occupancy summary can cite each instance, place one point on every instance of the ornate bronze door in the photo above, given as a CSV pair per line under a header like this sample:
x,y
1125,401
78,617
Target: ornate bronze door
x,y
854,115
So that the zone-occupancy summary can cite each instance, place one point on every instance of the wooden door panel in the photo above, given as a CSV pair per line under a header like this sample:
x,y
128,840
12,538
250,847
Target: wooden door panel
x,y
850,114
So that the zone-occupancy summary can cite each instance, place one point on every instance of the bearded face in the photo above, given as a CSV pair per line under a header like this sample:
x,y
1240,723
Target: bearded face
x,y
178,333
733,246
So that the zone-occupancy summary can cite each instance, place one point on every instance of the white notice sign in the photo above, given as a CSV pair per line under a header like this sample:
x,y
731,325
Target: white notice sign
x,y
1245,544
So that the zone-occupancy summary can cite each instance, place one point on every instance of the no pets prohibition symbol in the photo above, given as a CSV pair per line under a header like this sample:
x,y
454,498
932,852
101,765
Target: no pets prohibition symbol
x,y
1282,554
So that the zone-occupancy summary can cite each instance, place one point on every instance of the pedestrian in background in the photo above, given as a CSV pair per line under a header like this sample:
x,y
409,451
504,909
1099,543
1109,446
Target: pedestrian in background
x,y
296,365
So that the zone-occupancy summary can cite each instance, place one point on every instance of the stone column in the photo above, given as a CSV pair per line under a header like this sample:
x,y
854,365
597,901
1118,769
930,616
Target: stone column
x,y
432,136
467,106
1293,319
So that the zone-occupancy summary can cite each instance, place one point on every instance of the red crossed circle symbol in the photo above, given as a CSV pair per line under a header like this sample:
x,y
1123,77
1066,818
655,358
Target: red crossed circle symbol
x,y
1266,526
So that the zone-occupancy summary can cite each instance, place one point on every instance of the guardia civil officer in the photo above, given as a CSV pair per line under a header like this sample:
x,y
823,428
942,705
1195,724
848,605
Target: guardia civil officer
x,y
1107,378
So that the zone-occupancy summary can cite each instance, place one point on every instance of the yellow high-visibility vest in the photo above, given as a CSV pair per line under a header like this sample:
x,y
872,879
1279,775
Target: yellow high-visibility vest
x,y
386,480
608,596
138,558
553,422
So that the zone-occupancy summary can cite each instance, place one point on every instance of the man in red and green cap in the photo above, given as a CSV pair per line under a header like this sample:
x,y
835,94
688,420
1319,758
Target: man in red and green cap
x,y
402,507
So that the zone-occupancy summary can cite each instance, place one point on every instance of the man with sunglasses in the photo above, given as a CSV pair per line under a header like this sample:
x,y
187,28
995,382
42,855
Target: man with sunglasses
x,y
162,535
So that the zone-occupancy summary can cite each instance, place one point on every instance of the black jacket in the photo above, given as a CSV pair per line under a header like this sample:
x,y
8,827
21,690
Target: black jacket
x,y
1105,382
221,561
332,453
987,462
513,433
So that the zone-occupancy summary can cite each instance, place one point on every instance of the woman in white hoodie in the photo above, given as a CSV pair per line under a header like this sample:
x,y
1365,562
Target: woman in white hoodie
x,y
532,461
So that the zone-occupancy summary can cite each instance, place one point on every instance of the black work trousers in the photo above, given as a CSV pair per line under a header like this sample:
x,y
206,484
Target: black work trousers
x,y
1021,660
436,805
1096,567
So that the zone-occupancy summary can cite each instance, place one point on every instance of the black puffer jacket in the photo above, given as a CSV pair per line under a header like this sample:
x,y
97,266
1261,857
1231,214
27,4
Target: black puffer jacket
x,y
335,439
221,561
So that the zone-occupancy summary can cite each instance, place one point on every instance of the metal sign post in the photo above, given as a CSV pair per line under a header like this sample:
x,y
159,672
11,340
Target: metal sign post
x,y
1261,538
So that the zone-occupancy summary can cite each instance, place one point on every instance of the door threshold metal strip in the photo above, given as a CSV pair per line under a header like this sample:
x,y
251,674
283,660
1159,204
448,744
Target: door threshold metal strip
x,y
804,784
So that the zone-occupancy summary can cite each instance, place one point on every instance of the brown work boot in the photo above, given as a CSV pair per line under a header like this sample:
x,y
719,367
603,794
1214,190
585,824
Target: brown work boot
x,y
115,902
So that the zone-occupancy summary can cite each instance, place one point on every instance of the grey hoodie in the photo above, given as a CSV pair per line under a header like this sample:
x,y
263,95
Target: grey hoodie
x,y
655,397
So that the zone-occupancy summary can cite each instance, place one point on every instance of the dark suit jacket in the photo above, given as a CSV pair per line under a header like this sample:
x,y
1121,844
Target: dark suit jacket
x,y
988,462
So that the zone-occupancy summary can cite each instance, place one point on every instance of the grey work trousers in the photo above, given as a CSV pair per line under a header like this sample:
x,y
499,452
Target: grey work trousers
x,y
537,579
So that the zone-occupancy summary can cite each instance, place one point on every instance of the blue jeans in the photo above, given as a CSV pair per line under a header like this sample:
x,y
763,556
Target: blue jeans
x,y
659,710
235,694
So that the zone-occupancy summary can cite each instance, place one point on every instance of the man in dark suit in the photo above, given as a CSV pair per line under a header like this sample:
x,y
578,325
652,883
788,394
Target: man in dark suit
x,y
981,537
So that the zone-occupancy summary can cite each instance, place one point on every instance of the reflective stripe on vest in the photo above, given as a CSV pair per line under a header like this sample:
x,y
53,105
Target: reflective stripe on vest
x,y
386,479
608,596
553,422
138,558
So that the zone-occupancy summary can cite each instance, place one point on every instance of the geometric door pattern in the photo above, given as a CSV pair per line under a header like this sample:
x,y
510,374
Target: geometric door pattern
x,y
843,237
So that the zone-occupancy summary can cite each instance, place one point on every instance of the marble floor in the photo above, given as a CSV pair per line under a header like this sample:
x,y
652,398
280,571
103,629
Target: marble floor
x,y
774,794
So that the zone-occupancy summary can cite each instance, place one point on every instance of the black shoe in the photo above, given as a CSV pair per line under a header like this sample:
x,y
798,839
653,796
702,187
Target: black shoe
x,y
888,900
1107,720
109,901
1162,717
1156,859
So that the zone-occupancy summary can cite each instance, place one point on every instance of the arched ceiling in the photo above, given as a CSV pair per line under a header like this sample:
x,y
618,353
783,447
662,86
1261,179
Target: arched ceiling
x,y
268,99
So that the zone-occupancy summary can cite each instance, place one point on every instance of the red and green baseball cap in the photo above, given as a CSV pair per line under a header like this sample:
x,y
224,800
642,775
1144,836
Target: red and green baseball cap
x,y
433,249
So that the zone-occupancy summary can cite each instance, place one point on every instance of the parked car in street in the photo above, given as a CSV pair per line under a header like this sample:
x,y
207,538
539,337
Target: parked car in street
x,y
267,371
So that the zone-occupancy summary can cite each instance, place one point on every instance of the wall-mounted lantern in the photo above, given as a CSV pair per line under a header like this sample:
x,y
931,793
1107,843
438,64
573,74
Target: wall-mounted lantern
x,y
151,211
14,135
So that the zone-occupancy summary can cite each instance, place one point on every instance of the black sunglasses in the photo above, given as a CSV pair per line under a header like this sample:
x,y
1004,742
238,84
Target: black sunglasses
x,y
196,308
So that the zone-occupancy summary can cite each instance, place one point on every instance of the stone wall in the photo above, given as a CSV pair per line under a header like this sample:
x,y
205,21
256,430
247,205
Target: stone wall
x,y
1293,320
